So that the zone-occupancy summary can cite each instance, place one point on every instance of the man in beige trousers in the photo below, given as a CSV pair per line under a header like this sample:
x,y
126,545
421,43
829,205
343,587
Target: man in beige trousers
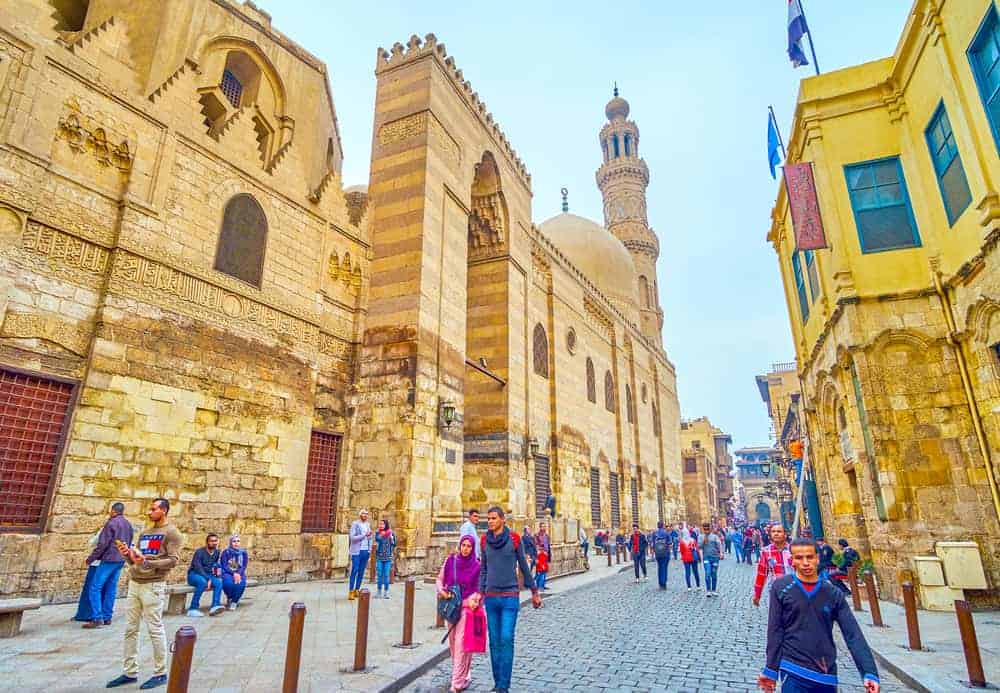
x,y
149,562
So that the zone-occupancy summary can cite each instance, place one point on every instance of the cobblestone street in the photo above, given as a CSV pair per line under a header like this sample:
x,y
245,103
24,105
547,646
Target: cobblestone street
x,y
619,636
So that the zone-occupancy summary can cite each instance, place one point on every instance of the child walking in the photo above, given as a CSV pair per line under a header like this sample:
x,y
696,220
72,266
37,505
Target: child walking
x,y
541,569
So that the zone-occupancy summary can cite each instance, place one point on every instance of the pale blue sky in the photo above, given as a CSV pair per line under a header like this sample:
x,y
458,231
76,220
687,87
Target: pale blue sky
x,y
699,77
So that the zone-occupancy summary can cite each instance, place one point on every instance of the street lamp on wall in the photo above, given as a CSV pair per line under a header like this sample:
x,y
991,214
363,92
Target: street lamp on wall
x,y
533,446
765,468
447,414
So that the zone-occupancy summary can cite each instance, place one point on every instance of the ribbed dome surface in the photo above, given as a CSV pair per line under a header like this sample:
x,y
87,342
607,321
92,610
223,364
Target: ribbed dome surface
x,y
616,107
601,257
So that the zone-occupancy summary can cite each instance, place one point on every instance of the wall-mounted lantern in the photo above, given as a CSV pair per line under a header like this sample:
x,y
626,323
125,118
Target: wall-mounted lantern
x,y
447,414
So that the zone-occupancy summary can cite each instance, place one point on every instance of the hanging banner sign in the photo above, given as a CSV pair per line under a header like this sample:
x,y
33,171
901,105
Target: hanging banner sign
x,y
804,207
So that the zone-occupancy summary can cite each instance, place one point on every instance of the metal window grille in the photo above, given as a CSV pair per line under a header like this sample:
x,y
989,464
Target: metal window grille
x,y
320,503
34,417
231,87
635,501
541,351
595,496
591,382
616,511
541,484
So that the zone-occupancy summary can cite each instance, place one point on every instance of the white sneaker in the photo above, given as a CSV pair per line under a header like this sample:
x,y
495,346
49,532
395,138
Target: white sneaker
x,y
385,595
195,613
690,588
216,610
637,581
233,605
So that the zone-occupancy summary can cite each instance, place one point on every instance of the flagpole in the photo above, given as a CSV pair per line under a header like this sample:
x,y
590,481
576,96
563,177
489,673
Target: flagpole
x,y
812,46
777,131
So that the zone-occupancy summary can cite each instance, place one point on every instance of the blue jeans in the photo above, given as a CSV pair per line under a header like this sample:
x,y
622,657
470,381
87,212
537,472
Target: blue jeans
x,y
675,546
793,684
83,610
200,584
661,570
382,567
232,590
639,561
738,548
103,589
358,564
690,568
711,574
540,580
501,620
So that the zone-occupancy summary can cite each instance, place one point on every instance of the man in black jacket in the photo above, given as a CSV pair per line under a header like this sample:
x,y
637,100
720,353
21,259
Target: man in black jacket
x,y
502,553
205,573
800,646
638,545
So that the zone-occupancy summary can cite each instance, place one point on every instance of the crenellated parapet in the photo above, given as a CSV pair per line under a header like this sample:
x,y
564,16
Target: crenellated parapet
x,y
419,49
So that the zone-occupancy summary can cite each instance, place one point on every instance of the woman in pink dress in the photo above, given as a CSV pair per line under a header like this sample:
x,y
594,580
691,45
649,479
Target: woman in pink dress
x,y
461,568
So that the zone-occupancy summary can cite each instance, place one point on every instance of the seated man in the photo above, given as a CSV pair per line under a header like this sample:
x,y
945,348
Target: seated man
x,y
205,573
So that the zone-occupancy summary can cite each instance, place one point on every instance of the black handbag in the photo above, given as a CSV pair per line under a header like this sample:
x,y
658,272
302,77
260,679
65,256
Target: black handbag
x,y
450,608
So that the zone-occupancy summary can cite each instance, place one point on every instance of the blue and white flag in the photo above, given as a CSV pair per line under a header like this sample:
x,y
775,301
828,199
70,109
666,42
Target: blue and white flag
x,y
796,30
773,143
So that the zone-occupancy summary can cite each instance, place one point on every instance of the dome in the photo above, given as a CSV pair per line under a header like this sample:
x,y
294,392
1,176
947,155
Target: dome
x,y
616,107
597,253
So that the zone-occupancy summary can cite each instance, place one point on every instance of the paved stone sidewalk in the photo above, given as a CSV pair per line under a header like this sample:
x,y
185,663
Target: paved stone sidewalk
x,y
243,650
615,635
942,667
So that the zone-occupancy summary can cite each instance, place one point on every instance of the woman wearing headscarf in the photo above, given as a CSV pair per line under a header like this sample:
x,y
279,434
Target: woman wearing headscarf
x,y
234,562
461,569
385,544
689,556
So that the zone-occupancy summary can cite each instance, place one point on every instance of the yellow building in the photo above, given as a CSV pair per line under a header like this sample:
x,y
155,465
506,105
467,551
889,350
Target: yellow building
x,y
708,485
897,323
194,305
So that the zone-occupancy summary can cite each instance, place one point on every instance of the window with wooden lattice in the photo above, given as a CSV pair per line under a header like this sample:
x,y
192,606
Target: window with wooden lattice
x,y
231,87
34,422
609,391
635,501
595,496
319,507
540,349
616,510
592,381
542,487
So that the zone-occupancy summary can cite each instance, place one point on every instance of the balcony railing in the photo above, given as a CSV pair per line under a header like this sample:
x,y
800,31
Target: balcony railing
x,y
784,367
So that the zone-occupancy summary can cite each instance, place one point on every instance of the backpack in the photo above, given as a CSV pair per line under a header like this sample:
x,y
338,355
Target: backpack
x,y
513,535
661,546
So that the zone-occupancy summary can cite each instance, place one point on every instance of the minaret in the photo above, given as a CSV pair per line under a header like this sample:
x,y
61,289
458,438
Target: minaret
x,y
623,178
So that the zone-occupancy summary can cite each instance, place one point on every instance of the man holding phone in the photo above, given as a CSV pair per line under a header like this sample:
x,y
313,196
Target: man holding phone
x,y
157,551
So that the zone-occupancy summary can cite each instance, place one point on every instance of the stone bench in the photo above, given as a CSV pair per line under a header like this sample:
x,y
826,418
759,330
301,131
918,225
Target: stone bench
x,y
177,597
11,611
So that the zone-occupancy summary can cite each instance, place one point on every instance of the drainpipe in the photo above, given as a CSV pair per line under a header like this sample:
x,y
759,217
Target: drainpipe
x,y
963,369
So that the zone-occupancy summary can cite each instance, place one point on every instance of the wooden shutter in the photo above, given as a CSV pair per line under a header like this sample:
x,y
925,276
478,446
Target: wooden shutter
x,y
595,497
34,418
616,512
320,502
635,501
541,484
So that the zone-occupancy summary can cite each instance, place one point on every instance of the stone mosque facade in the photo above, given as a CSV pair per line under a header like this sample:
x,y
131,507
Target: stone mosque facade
x,y
194,306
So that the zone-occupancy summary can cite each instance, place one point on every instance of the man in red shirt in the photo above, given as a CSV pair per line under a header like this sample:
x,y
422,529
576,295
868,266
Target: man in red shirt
x,y
775,561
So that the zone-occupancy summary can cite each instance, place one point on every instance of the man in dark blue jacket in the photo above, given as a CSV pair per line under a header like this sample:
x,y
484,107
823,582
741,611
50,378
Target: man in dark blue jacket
x,y
662,545
502,554
638,546
104,587
800,646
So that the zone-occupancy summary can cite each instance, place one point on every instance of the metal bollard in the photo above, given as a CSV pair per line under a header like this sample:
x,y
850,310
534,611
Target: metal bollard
x,y
438,620
180,664
970,644
912,624
409,595
371,567
609,555
618,554
852,576
873,601
361,633
293,651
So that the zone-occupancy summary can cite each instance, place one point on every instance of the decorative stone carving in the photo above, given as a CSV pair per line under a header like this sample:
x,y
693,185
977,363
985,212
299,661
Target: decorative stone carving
x,y
49,328
84,134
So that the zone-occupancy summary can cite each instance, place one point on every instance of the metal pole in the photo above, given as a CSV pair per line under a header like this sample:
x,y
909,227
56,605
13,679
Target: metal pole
x,y
812,46
608,547
912,624
408,597
873,601
970,644
293,651
777,131
180,664
852,576
361,633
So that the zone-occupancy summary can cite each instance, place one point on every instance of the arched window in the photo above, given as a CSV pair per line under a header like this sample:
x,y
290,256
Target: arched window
x,y
628,404
540,344
628,144
609,391
242,240
644,291
591,382
614,141
605,147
